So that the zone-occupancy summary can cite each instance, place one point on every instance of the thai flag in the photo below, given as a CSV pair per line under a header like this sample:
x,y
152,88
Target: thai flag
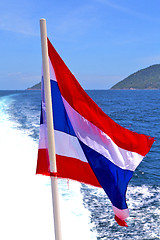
x,y
90,146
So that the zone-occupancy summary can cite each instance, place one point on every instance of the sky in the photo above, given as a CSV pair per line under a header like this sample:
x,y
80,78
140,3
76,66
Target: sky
x,y
101,41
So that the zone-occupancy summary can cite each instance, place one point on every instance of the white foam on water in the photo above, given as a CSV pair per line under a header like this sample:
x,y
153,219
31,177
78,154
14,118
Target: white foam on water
x,y
144,210
25,199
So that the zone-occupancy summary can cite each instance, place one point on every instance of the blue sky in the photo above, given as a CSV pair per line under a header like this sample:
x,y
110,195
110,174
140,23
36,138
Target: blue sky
x,y
101,41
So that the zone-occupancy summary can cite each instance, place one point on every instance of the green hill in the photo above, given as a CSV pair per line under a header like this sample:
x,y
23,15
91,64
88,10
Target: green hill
x,y
147,78
35,87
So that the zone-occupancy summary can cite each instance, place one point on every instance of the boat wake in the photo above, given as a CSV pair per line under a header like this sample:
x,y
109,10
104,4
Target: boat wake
x,y
25,203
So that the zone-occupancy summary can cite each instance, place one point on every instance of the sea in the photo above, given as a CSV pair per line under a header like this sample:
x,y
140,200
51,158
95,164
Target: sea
x,y
86,213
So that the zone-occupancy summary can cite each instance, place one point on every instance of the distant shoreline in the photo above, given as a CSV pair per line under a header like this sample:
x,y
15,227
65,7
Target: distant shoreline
x,y
135,89
31,89
130,89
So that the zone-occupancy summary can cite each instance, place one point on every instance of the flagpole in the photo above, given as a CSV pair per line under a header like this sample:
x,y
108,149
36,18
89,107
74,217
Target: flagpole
x,y
50,129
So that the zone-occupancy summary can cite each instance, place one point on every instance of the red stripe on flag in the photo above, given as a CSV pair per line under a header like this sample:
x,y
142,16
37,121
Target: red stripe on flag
x,y
67,167
43,166
86,107
75,169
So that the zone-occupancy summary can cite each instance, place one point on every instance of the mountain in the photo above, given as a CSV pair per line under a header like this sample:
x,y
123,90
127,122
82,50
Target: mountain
x,y
147,78
35,87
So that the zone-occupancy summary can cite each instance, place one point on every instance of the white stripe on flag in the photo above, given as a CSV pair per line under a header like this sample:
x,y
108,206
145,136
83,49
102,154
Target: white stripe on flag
x,y
94,138
43,136
67,145
52,72
121,213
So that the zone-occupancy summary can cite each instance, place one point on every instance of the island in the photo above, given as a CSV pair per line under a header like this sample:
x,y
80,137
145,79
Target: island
x,y
35,87
147,78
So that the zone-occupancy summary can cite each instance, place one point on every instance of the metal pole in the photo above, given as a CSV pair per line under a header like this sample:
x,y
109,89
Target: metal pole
x,y
51,143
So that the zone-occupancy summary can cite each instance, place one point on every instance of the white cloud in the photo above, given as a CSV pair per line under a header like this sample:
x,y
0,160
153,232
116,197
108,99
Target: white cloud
x,y
75,22
17,16
125,10
23,17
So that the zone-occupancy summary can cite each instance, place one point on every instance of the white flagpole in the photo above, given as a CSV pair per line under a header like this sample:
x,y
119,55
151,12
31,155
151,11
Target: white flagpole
x,y
51,143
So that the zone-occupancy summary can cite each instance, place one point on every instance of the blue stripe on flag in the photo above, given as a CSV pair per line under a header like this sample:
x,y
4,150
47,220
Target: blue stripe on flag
x,y
113,179
60,116
41,117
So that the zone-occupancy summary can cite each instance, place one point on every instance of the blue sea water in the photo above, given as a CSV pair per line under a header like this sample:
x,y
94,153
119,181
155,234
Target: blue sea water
x,y
137,110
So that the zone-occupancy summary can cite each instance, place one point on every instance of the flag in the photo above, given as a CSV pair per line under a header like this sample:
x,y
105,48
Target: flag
x,y
90,146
